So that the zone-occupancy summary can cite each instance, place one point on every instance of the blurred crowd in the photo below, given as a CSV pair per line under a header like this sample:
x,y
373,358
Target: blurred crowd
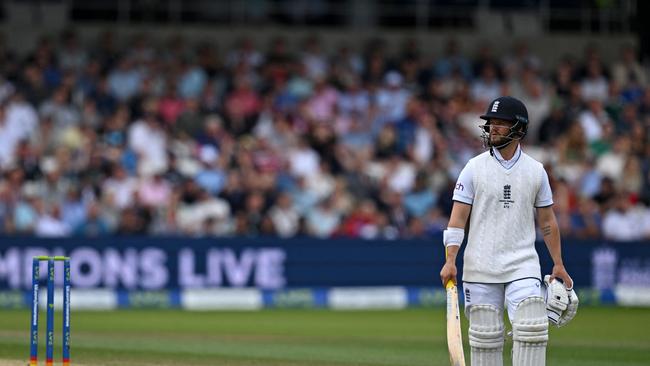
x,y
131,137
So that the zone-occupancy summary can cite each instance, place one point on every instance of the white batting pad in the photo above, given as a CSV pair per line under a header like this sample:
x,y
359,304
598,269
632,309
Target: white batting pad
x,y
530,333
486,335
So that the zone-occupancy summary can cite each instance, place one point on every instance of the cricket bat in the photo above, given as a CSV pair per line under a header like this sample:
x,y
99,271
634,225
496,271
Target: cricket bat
x,y
454,335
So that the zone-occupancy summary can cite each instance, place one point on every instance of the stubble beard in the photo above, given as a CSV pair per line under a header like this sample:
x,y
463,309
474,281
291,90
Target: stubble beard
x,y
498,140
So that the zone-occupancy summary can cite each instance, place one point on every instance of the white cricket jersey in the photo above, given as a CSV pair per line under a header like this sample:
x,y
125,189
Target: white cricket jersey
x,y
504,195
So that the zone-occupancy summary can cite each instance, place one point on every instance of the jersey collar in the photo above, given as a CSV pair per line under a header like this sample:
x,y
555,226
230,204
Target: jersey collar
x,y
507,163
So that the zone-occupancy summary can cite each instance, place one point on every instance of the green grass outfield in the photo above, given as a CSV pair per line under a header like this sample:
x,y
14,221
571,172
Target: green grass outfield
x,y
415,337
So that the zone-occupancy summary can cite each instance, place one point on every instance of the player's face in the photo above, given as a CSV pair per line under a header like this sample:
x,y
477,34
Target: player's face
x,y
499,129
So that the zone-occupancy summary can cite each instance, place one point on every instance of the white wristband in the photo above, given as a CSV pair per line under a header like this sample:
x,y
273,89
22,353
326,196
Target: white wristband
x,y
453,236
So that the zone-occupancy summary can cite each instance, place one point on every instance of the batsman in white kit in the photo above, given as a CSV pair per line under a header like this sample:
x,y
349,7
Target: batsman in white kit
x,y
501,191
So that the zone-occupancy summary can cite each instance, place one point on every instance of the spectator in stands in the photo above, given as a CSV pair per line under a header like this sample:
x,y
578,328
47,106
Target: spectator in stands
x,y
362,222
554,125
519,59
192,79
60,109
124,82
421,199
93,224
242,105
148,139
49,223
453,60
71,56
594,86
587,220
25,214
323,220
246,53
593,120
486,87
154,192
629,75
623,221
285,218
314,59
321,105
392,99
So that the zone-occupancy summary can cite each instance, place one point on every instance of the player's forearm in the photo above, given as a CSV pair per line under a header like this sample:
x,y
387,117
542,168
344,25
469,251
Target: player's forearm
x,y
454,235
452,253
551,234
458,220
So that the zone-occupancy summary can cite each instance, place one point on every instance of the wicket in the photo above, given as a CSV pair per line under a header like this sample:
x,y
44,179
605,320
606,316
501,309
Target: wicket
x,y
49,350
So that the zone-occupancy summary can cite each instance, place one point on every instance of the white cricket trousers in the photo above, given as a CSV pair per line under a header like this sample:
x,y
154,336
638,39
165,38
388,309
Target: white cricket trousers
x,y
500,294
